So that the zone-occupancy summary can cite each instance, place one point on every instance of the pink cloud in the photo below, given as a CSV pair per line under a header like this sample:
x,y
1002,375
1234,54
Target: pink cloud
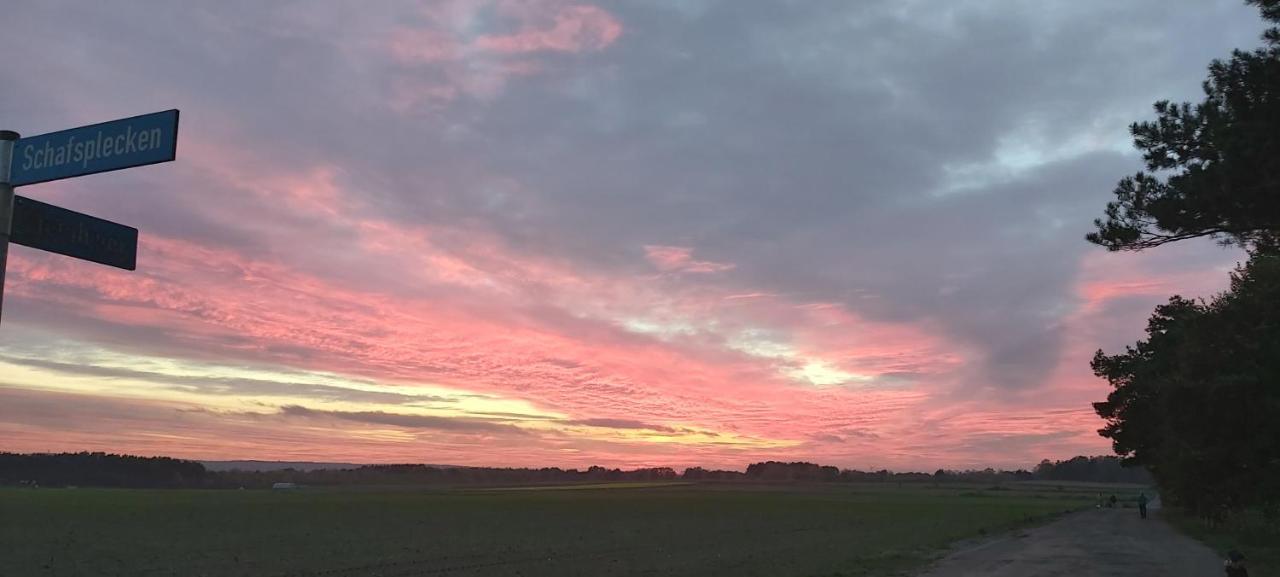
x,y
1109,276
425,45
575,28
206,295
444,58
746,296
458,307
680,259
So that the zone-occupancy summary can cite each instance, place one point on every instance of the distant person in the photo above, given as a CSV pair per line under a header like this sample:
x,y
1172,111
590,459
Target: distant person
x,y
1235,565
1142,505
1112,502
1101,501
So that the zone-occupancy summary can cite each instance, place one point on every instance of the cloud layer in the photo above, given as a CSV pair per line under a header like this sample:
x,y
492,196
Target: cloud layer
x,y
539,232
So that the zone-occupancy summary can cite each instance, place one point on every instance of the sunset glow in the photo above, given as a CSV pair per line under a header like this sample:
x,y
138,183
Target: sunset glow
x,y
550,233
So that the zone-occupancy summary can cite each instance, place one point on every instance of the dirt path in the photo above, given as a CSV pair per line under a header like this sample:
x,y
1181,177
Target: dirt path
x,y
1107,542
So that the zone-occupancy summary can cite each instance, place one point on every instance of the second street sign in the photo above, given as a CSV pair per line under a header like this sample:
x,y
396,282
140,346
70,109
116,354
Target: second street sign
x,y
125,143
55,229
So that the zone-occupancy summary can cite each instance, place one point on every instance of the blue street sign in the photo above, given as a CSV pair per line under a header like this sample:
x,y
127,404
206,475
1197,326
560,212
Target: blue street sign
x,y
56,229
114,145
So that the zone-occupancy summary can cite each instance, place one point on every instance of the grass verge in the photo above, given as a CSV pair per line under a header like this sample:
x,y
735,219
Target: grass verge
x,y
1248,533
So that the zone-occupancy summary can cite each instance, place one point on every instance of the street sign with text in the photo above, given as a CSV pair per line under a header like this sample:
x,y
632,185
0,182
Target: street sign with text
x,y
125,143
70,233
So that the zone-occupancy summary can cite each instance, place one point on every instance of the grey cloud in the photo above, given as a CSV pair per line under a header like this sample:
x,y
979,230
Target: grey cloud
x,y
621,424
563,363
454,424
844,434
56,411
857,433
813,139
505,416
45,421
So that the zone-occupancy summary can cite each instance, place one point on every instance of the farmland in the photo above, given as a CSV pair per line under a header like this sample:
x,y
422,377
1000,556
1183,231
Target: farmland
x,y
655,529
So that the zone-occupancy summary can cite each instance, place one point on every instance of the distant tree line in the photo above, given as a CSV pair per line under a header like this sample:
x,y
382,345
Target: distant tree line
x,y
426,474
100,470
1102,469
1108,469
109,470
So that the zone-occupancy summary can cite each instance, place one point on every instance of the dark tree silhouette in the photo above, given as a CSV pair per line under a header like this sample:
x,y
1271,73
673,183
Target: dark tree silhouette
x,y
1214,167
1196,402
99,470
1108,469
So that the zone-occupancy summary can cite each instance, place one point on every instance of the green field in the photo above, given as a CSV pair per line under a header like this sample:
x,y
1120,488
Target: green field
x,y
701,530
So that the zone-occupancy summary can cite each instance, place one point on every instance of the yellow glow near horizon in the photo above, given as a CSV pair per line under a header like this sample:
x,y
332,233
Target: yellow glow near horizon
x,y
165,379
202,385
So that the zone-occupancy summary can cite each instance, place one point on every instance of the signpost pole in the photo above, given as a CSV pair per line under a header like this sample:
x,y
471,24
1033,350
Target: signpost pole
x,y
7,138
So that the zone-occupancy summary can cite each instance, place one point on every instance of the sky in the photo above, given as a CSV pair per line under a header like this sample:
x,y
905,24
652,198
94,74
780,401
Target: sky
x,y
553,233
